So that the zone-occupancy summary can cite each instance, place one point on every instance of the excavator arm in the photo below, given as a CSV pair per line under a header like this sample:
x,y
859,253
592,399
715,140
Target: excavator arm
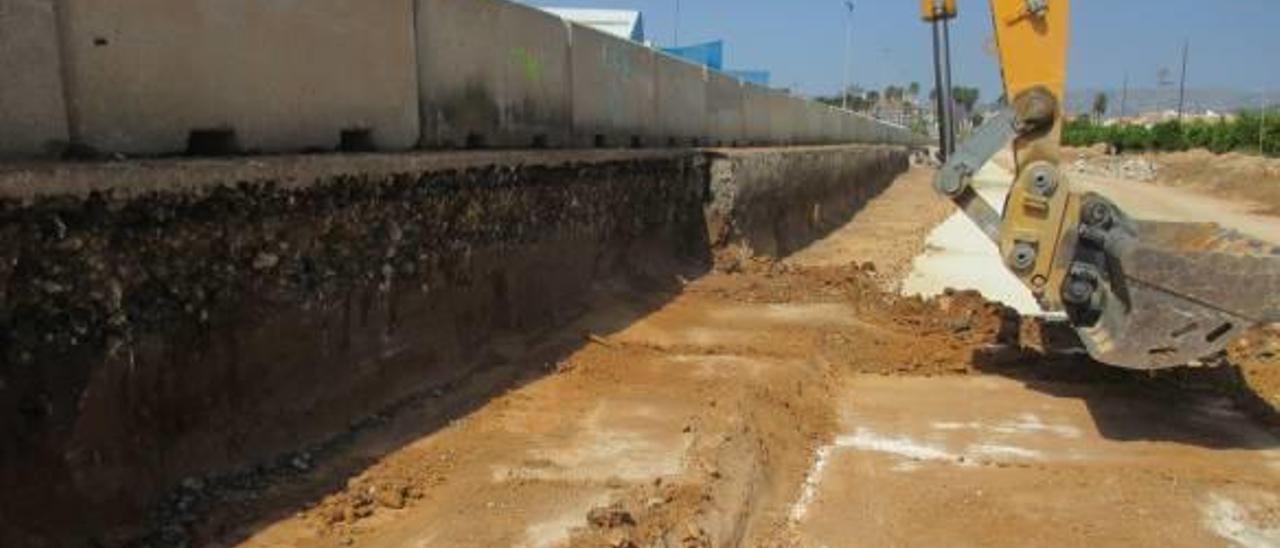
x,y
1141,294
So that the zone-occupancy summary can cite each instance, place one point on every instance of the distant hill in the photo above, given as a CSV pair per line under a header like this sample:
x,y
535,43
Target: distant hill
x,y
1144,100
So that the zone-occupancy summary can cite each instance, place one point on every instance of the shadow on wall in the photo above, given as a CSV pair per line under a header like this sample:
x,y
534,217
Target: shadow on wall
x,y
155,335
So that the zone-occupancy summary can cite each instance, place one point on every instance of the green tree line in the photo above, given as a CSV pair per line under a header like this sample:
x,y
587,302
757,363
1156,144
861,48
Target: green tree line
x,y
1249,131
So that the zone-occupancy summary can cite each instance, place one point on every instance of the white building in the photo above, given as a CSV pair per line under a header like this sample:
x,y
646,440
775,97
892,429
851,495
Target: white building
x,y
625,24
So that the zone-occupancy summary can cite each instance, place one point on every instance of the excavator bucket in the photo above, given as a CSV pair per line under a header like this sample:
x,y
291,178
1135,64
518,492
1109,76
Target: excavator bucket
x,y
1151,295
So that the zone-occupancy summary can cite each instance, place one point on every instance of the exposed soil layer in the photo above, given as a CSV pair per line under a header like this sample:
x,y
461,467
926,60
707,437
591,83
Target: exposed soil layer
x,y
165,322
153,332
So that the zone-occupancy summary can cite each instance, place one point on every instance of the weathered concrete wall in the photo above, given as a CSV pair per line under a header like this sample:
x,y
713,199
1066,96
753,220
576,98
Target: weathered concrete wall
x,y
614,90
773,202
682,102
284,76
33,118
167,319
492,73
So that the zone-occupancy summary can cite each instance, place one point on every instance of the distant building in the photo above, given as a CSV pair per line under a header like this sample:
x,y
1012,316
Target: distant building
x,y
625,24
709,54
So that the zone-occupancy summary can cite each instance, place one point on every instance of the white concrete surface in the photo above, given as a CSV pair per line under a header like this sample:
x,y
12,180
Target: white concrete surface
x,y
958,255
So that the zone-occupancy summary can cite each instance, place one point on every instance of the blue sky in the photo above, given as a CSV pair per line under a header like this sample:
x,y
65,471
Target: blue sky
x,y
1235,44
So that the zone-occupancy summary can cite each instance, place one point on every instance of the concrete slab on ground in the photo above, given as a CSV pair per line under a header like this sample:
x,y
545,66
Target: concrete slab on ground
x,y
958,255
967,461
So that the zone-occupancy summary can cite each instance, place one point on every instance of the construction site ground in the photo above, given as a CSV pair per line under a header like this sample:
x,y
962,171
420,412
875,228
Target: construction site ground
x,y
801,402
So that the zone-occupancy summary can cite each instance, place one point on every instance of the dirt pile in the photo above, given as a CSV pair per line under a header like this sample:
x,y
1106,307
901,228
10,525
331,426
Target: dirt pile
x,y
892,334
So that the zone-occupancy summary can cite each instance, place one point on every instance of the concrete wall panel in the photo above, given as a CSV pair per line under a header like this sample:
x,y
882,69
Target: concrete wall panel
x,y
33,118
614,90
283,75
832,125
756,102
492,73
782,119
682,101
726,123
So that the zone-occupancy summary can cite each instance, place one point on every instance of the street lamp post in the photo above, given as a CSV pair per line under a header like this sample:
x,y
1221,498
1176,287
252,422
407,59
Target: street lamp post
x,y
848,55
676,40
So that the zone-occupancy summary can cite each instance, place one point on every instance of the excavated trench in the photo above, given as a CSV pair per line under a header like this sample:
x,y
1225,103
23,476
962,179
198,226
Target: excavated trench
x,y
178,334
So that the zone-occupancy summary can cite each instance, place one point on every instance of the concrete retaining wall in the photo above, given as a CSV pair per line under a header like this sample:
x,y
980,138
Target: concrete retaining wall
x,y
154,77
283,76
33,119
492,73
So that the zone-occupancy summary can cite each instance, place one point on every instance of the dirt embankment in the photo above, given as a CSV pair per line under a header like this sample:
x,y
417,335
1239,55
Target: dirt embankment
x,y
1235,176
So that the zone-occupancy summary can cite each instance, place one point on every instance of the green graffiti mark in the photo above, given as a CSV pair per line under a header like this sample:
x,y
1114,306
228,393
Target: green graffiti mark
x,y
530,65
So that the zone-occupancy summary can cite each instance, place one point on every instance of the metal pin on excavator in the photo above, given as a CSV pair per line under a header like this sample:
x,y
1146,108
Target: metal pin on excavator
x,y
1141,294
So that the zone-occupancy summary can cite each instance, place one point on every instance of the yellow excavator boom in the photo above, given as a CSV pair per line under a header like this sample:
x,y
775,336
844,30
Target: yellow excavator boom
x,y
1141,294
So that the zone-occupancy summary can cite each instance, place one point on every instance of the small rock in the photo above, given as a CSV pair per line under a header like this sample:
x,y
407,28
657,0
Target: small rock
x,y
620,539
390,496
193,484
960,325
301,463
610,517
265,260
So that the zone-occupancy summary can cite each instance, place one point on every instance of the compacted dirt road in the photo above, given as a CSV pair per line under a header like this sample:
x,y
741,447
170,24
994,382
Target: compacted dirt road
x,y
785,404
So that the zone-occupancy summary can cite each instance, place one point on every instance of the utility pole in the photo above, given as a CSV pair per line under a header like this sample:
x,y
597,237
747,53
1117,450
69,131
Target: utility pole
x,y
675,39
936,13
1182,86
1262,126
848,56
1124,96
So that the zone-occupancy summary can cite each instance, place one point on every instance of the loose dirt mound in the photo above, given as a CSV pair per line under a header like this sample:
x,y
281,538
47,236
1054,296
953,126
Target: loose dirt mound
x,y
893,334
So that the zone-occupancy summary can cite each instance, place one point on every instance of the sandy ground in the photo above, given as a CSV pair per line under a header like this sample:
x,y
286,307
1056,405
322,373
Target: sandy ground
x,y
789,404
1252,182
889,232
